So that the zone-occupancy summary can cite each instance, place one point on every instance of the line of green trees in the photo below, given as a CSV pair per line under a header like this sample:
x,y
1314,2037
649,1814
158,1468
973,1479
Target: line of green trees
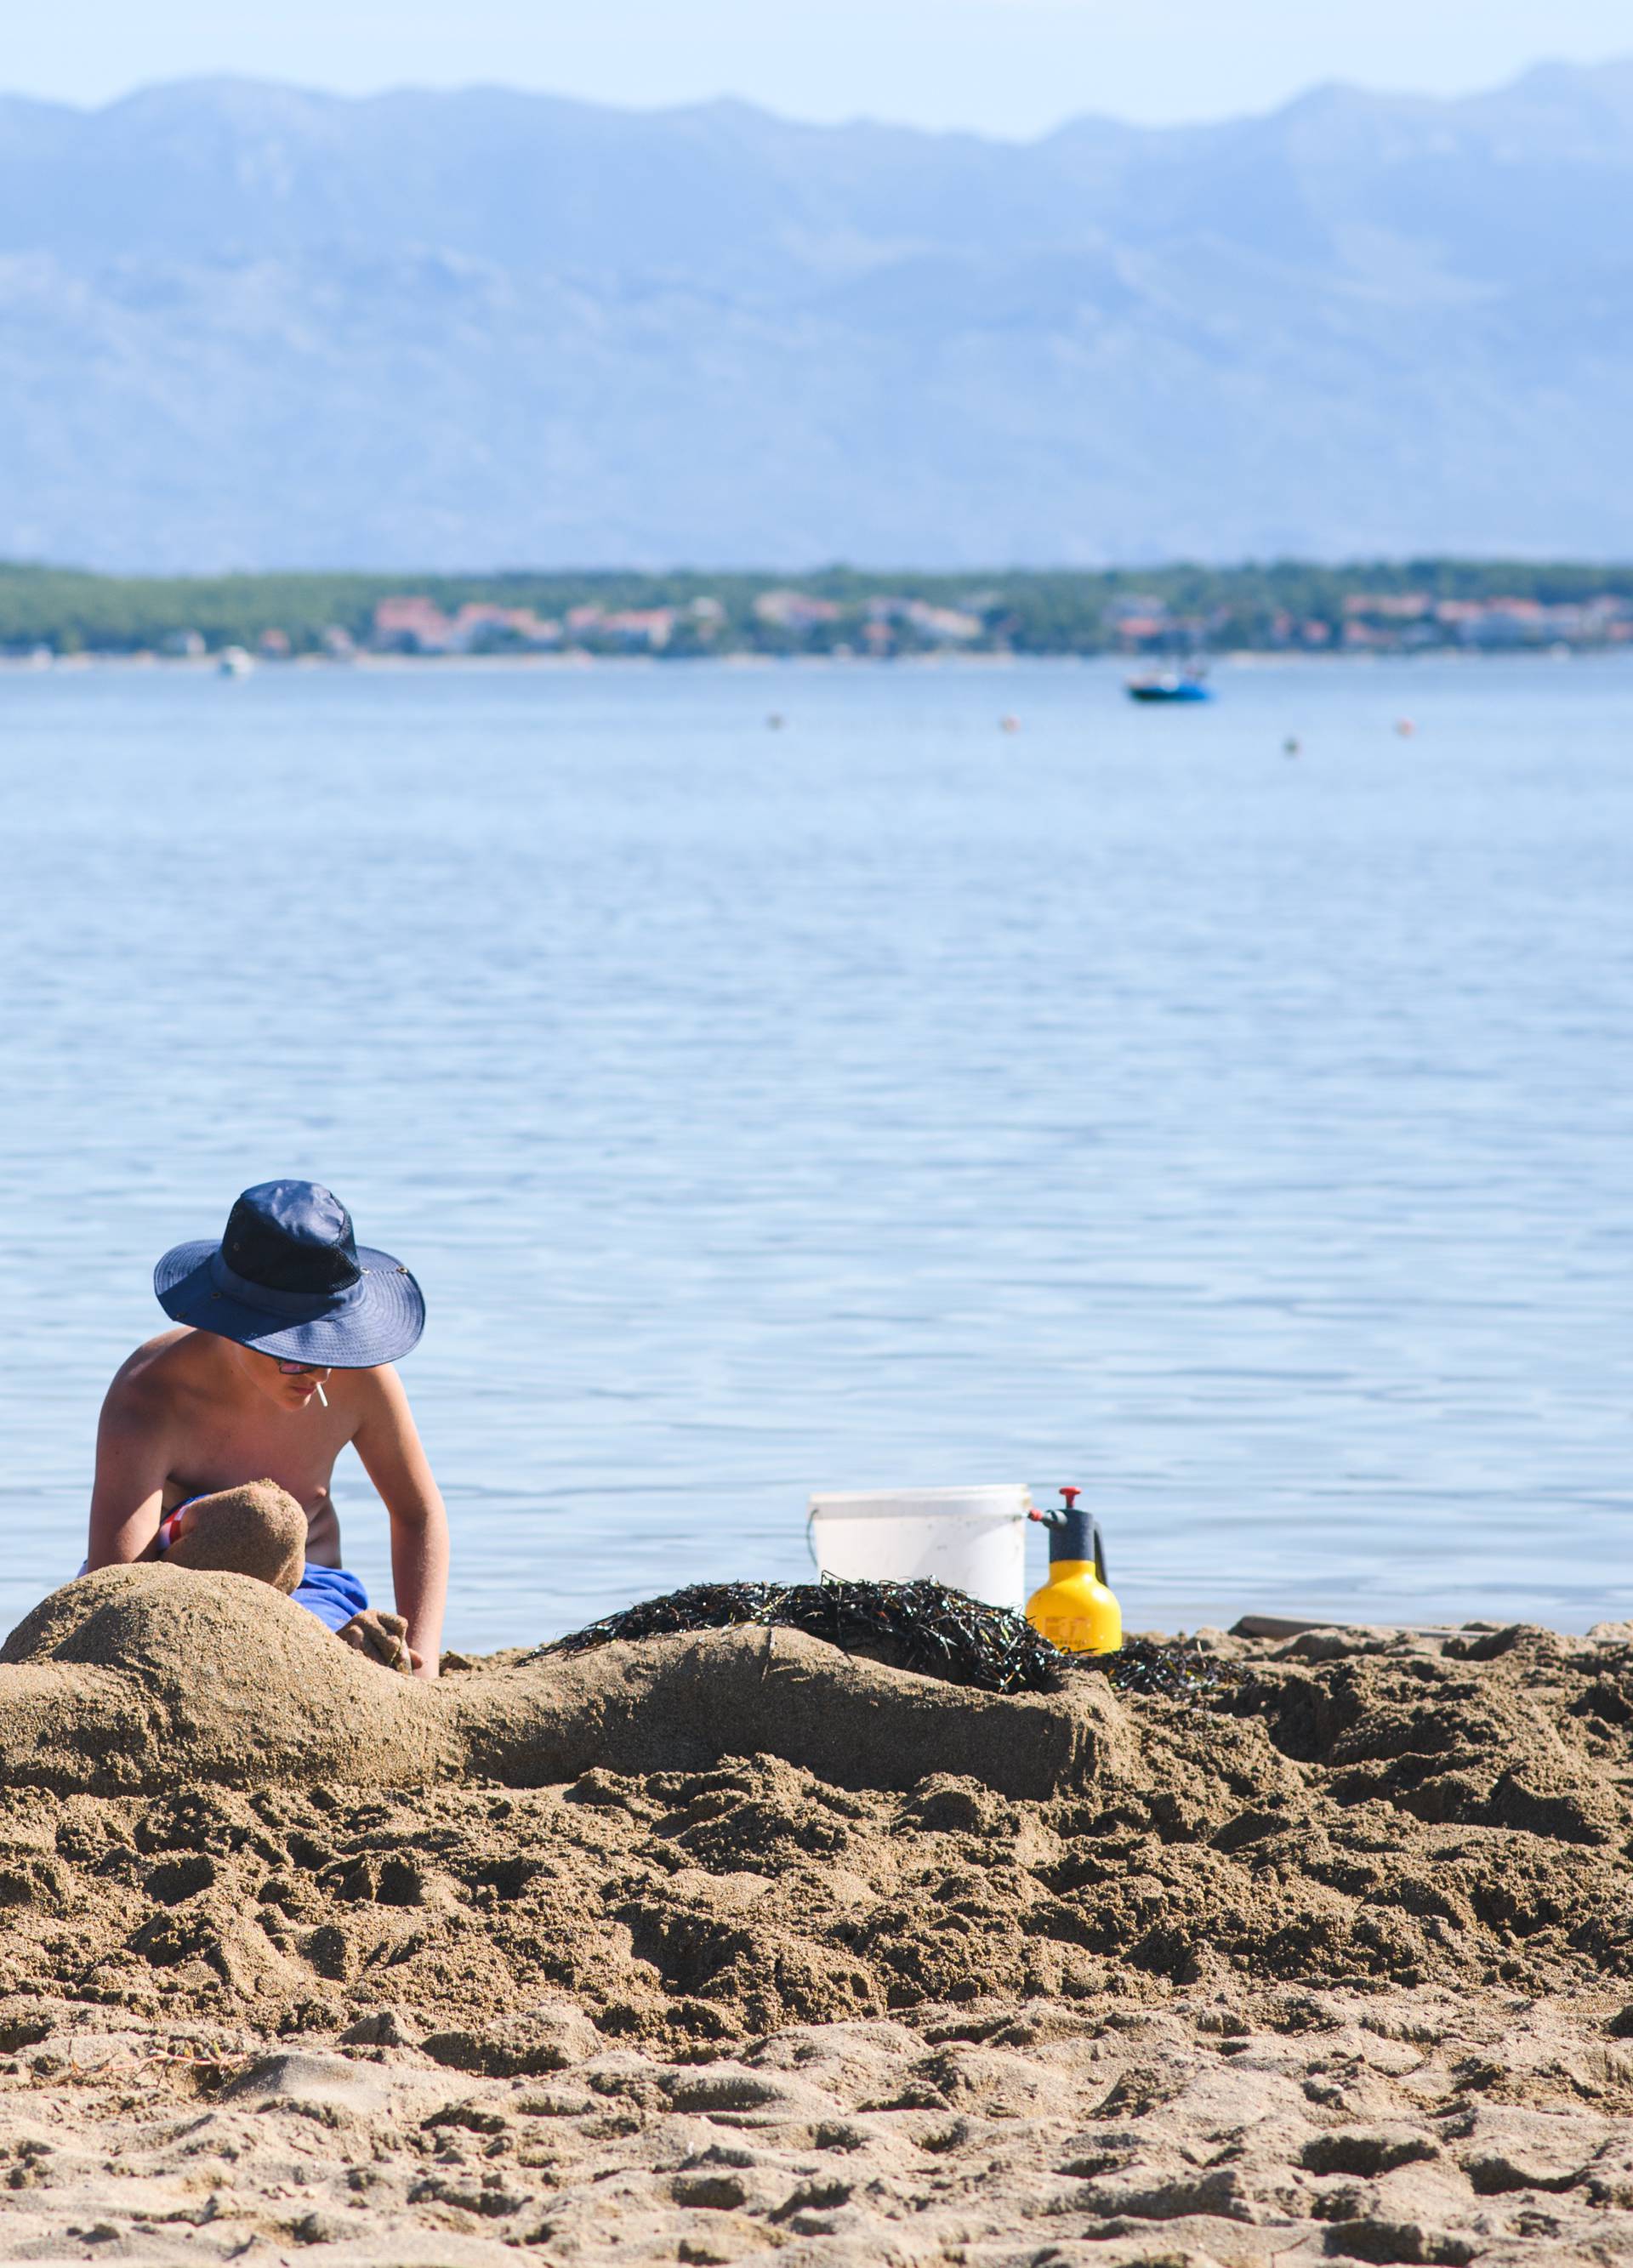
x,y
1042,611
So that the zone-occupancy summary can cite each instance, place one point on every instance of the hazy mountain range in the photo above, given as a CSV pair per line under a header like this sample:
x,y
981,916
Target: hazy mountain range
x,y
242,324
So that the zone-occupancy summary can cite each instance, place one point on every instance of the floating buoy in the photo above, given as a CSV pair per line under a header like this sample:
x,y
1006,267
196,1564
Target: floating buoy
x,y
1292,746
776,720
1008,724
1405,727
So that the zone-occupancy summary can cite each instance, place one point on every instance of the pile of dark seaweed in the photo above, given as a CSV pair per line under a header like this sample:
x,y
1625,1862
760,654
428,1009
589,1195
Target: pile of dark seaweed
x,y
922,1626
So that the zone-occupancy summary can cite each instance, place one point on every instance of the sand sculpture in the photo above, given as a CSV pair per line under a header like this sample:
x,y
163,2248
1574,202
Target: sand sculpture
x,y
1407,1810
700,1946
145,1677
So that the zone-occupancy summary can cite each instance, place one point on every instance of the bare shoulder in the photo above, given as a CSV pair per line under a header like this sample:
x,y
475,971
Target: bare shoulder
x,y
376,1394
383,1424
148,1382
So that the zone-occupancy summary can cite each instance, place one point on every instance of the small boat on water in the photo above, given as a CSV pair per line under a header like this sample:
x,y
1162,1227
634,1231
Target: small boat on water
x,y
1170,685
234,662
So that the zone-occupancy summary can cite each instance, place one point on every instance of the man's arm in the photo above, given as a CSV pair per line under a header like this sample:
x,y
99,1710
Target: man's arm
x,y
127,1496
389,1446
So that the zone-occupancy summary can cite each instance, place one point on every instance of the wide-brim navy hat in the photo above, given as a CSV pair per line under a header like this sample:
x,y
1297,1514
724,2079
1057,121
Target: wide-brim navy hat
x,y
290,1279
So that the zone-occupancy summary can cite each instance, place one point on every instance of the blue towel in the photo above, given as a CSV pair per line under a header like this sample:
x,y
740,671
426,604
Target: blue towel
x,y
331,1595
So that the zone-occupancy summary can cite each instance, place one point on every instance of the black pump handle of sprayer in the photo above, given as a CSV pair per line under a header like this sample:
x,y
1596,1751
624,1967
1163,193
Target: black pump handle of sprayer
x,y
1086,1531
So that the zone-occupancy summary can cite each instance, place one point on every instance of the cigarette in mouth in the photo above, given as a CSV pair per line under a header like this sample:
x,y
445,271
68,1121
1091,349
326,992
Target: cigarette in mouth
x,y
322,1397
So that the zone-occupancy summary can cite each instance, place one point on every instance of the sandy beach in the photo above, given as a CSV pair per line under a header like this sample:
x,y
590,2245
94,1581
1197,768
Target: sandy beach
x,y
710,1946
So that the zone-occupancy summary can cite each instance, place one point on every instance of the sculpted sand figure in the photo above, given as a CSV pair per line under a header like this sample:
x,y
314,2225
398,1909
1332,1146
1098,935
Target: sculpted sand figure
x,y
218,1439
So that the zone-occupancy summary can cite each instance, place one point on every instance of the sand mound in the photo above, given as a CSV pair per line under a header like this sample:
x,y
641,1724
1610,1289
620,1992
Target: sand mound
x,y
141,1678
714,1945
145,1677
205,1802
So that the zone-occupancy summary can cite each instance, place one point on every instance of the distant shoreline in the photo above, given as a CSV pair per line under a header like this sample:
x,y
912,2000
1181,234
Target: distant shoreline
x,y
1159,615
578,664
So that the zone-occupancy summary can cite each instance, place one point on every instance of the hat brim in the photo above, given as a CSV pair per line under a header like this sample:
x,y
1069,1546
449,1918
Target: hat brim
x,y
381,1323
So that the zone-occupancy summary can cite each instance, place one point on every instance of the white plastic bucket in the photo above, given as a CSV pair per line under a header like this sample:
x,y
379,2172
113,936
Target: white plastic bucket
x,y
973,1539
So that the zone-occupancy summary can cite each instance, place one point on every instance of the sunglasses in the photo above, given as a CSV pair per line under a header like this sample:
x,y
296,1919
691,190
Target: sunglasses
x,y
297,1369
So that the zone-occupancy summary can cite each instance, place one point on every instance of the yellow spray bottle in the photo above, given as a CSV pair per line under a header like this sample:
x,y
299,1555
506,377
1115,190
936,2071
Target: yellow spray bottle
x,y
1074,1610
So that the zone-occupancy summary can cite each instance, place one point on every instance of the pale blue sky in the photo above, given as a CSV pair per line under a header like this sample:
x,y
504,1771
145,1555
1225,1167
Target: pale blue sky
x,y
1013,67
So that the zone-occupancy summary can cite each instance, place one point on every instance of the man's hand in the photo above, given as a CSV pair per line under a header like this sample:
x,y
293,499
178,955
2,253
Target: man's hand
x,y
382,1637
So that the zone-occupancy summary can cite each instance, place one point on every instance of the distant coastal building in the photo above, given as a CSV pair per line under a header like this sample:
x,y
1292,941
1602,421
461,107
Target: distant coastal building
x,y
944,625
647,626
1404,620
415,624
1391,605
652,627
411,625
1508,622
892,621
1138,620
1389,620
478,626
797,611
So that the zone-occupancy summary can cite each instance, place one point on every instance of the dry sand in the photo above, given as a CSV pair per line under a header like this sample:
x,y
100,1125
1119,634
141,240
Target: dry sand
x,y
708,1947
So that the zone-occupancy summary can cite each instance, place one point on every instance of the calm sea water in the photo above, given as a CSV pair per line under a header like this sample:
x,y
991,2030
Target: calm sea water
x,y
885,1099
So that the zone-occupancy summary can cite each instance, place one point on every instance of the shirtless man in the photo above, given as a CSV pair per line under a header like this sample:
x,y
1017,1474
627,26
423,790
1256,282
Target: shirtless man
x,y
217,1440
